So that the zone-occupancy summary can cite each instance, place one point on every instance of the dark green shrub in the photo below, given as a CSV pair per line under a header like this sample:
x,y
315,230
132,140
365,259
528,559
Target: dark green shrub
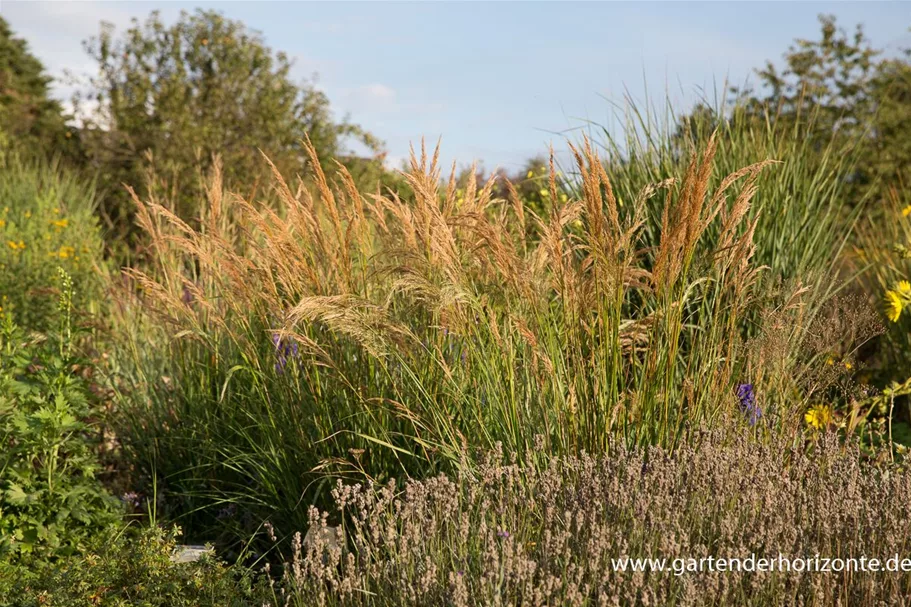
x,y
30,118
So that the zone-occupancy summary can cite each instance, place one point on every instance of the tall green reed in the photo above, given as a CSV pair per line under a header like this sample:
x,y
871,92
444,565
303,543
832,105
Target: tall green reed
x,y
805,215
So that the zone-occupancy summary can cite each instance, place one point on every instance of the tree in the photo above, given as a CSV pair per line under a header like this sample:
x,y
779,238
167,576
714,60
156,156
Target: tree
x,y
833,74
172,97
29,118
890,157
833,88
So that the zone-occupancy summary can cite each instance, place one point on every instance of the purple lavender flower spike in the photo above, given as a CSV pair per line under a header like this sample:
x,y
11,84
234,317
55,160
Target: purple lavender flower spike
x,y
285,348
748,406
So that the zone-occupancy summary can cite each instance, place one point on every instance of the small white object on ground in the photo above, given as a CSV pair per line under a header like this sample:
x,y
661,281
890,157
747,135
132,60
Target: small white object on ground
x,y
190,554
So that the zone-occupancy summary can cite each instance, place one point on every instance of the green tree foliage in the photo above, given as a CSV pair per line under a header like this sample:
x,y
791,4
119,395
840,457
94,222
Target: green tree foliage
x,y
170,97
29,117
838,87
890,153
833,73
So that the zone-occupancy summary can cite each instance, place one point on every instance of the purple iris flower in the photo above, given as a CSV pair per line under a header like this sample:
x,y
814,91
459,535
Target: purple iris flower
x,y
285,349
748,406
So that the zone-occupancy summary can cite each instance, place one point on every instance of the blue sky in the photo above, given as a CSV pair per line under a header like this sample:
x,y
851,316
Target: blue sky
x,y
495,80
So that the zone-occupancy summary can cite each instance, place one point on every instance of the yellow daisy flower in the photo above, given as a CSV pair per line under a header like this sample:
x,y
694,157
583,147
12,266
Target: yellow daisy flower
x,y
904,287
894,305
819,416
906,211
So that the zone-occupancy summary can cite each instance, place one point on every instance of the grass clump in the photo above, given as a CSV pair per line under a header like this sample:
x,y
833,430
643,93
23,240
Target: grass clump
x,y
805,209
366,336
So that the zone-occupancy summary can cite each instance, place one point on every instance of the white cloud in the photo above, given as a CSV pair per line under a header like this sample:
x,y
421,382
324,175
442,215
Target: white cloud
x,y
377,92
370,98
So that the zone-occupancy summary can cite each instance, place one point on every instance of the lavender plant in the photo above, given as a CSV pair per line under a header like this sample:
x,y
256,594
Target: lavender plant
x,y
571,533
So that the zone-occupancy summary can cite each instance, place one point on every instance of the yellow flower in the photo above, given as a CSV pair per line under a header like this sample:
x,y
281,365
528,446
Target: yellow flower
x,y
848,365
15,245
819,416
830,361
530,175
894,305
28,214
61,223
904,287
65,252
2,223
906,211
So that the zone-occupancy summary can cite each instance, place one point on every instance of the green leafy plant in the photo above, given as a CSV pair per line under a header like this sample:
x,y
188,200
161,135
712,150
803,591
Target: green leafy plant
x,y
46,221
129,567
50,498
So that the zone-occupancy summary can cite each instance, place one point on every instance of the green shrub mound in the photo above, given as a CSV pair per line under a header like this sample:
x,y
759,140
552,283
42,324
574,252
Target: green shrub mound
x,y
46,221
128,568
